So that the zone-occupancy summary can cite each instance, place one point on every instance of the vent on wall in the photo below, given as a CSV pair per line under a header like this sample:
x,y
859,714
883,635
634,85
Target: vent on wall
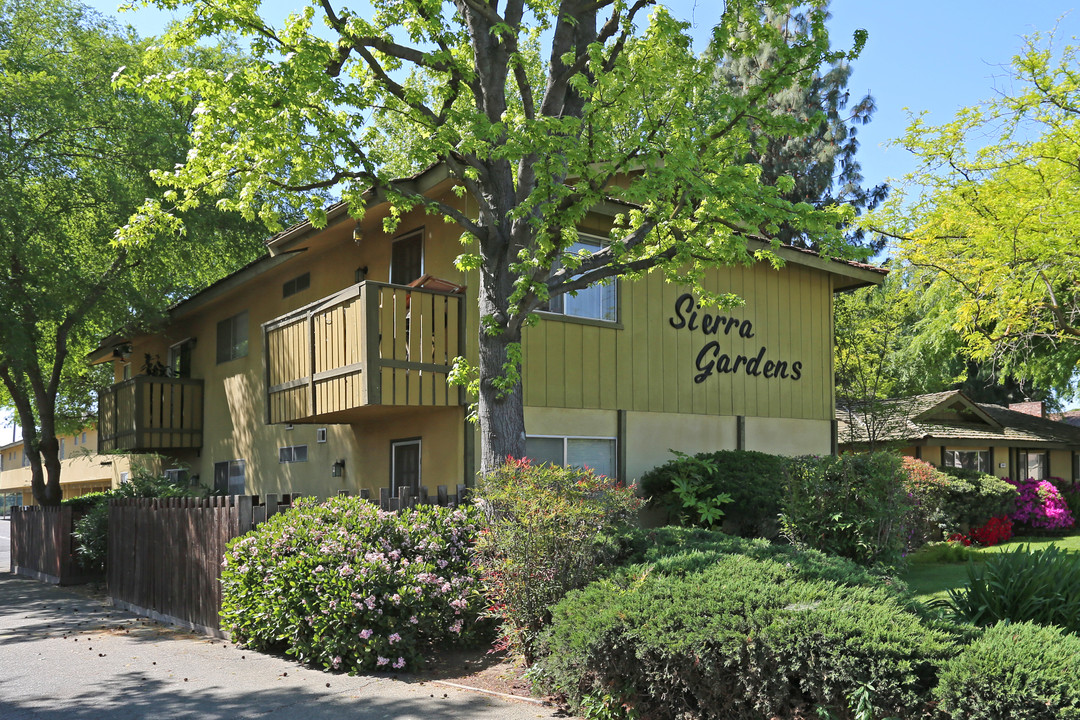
x,y
320,435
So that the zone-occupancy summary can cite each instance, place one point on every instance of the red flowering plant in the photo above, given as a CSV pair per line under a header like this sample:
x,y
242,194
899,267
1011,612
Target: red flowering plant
x,y
548,530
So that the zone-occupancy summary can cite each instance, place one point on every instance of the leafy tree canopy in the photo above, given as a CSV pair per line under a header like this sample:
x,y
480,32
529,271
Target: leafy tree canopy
x,y
989,220
75,162
541,109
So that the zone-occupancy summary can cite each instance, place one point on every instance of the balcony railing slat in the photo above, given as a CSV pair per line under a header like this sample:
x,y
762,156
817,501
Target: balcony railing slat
x,y
150,413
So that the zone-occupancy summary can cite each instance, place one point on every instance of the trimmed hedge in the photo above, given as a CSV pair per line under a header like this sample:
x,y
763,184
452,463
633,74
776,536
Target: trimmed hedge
x,y
978,497
347,586
743,638
753,480
1018,671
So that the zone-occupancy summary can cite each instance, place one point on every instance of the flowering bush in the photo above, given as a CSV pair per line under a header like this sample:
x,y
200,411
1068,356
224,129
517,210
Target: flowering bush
x,y
549,530
1040,505
348,586
929,490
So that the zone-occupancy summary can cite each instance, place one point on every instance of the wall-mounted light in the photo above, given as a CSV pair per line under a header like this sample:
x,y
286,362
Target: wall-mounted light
x,y
357,234
338,468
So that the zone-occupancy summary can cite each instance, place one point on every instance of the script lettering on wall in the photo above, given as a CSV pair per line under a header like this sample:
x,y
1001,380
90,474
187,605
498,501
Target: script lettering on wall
x,y
712,358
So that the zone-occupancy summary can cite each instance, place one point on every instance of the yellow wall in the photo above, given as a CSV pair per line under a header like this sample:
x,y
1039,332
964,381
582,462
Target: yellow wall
x,y
82,470
576,375
1060,460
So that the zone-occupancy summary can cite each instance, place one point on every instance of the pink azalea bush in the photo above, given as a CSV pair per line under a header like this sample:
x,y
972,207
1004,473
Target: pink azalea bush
x,y
347,586
1040,505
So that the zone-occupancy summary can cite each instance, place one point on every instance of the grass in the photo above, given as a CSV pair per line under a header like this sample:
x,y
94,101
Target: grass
x,y
938,568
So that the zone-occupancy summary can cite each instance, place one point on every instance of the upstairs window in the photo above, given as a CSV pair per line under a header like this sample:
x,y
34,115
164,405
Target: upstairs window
x,y
232,338
407,258
298,283
597,302
180,358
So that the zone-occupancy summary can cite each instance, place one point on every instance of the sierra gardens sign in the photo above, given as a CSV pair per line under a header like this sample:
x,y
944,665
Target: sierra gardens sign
x,y
687,315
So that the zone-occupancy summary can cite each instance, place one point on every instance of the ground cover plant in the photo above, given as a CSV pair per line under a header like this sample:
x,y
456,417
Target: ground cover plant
x,y
548,530
727,628
347,586
1018,671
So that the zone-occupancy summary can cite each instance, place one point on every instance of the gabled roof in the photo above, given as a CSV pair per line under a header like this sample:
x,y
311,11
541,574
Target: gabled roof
x,y
951,416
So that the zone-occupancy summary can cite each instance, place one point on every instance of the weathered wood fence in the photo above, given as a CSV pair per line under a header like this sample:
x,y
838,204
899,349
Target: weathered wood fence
x,y
165,554
42,547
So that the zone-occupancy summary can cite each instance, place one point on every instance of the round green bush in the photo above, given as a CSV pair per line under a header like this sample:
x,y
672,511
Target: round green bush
x,y
347,586
1017,671
743,639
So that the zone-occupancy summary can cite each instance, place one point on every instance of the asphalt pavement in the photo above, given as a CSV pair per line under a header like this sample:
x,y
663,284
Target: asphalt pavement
x,y
64,656
5,545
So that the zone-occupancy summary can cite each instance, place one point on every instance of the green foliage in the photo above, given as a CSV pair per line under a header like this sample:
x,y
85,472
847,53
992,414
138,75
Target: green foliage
x,y
741,638
346,586
549,530
753,481
1040,586
936,553
91,526
1019,671
998,170
976,497
851,505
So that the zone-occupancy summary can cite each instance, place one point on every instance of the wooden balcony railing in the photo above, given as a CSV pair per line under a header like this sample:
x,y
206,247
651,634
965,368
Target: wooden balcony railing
x,y
370,344
151,413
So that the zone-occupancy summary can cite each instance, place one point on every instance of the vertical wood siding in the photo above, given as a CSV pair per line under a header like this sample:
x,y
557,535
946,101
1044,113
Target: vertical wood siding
x,y
649,366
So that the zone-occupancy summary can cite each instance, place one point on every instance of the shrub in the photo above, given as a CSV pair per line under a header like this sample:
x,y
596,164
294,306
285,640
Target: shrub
x,y
347,586
1039,505
1070,492
1041,586
744,638
976,497
1018,671
91,511
549,529
929,490
850,506
754,481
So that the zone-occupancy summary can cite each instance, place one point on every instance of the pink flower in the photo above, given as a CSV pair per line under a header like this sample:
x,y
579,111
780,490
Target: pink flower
x,y
394,638
399,663
365,634
382,660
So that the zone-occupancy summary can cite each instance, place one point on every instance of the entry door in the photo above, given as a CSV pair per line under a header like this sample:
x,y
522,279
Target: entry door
x,y
405,465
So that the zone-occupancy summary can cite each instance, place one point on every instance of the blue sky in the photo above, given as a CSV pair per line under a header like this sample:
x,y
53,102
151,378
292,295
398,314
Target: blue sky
x,y
933,55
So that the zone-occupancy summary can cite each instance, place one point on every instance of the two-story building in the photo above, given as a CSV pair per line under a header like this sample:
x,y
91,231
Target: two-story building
x,y
82,469
323,365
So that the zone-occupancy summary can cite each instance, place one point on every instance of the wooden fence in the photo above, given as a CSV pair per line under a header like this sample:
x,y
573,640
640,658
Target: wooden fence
x,y
165,554
42,547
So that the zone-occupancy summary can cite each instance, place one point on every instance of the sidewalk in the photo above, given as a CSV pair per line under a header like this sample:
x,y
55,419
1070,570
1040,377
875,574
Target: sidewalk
x,y
65,657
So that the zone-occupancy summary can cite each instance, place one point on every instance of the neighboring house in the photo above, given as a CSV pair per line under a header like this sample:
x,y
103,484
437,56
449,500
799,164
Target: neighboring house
x,y
322,367
949,429
82,469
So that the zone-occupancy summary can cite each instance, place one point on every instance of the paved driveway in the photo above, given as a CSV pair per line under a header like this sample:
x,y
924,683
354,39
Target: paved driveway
x,y
5,545
65,657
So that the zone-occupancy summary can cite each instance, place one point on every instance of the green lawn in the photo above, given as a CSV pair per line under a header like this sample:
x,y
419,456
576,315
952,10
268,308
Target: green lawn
x,y
933,580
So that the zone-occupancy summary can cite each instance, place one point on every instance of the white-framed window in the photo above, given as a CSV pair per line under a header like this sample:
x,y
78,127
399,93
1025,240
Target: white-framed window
x,y
597,302
407,258
597,453
229,477
292,454
320,435
84,438
124,477
405,464
125,371
969,460
1033,464
296,284
232,337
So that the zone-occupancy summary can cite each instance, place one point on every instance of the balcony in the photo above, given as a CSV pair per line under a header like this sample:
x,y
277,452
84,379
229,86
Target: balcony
x,y
372,344
149,414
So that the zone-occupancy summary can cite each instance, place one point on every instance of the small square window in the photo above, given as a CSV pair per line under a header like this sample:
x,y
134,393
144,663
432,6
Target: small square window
x,y
292,454
297,284
598,302
320,435
229,477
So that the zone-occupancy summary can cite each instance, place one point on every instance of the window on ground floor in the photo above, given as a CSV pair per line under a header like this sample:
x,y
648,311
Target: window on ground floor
x,y
1033,464
405,464
229,477
598,453
968,459
292,454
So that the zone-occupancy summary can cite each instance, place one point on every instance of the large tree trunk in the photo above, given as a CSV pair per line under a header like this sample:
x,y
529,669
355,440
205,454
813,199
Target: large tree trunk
x,y
501,409
44,467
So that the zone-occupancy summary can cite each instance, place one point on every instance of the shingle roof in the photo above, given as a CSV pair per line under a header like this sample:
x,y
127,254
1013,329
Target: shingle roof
x,y
951,416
